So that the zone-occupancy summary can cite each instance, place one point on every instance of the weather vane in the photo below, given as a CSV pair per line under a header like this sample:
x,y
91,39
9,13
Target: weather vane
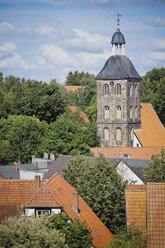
x,y
118,19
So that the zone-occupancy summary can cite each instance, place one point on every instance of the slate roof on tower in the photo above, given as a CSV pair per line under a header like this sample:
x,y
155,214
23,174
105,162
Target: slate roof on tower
x,y
118,67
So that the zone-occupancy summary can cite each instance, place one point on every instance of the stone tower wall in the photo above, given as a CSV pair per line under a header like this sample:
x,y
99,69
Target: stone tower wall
x,y
118,111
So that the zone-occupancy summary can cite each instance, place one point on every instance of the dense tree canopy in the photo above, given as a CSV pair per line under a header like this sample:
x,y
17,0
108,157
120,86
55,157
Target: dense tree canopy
x,y
20,97
25,233
77,234
129,237
20,138
83,98
70,135
101,187
153,91
155,170
24,136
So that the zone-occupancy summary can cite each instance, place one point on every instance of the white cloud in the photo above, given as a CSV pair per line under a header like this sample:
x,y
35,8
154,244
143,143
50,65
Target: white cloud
x,y
15,61
9,58
6,27
56,55
158,22
85,39
157,55
7,48
159,44
93,60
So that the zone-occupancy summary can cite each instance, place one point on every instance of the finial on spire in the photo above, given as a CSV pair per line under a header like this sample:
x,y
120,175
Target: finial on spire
x,y
118,20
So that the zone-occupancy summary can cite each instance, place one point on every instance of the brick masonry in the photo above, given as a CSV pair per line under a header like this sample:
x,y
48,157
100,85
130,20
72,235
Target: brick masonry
x,y
124,100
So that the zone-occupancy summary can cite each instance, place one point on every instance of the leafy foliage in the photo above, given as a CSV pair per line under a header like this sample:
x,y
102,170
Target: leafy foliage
x,y
20,137
153,91
25,233
155,170
129,237
101,188
70,135
30,98
82,99
91,110
77,235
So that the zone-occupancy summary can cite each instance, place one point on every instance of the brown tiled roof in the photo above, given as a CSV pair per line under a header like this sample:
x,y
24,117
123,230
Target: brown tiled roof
x,y
13,195
152,131
134,152
146,208
82,114
62,191
74,88
63,160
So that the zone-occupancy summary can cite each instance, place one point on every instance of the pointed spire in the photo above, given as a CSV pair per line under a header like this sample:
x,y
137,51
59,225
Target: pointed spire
x,y
118,21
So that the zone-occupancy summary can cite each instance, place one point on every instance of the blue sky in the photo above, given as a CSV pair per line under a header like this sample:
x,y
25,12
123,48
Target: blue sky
x,y
45,39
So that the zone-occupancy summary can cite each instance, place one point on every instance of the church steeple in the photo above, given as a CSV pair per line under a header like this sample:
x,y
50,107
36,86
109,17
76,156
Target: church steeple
x,y
118,40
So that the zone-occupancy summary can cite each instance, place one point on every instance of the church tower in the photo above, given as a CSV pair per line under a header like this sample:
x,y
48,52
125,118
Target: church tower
x,y
118,97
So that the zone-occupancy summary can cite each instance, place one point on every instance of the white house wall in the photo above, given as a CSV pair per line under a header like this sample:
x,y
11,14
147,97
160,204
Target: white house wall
x,y
30,175
136,142
127,174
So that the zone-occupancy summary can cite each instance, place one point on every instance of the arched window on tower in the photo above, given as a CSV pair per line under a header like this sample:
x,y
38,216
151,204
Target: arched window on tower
x,y
118,89
106,112
131,90
106,89
136,90
118,134
136,112
130,112
106,133
118,112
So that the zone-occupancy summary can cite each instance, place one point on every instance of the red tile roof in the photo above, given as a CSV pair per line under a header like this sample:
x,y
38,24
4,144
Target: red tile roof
x,y
146,208
56,192
14,194
134,152
152,131
74,88
82,114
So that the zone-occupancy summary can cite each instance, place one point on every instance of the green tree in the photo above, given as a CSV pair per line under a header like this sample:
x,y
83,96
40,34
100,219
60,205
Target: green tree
x,y
153,91
91,110
70,135
31,97
83,98
77,235
101,187
155,170
20,137
25,233
129,237
6,104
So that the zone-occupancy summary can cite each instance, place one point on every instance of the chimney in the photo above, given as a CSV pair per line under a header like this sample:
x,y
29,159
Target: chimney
x,y
75,203
15,166
37,183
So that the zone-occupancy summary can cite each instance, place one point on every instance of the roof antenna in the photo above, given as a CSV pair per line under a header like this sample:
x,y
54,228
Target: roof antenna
x,y
118,21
